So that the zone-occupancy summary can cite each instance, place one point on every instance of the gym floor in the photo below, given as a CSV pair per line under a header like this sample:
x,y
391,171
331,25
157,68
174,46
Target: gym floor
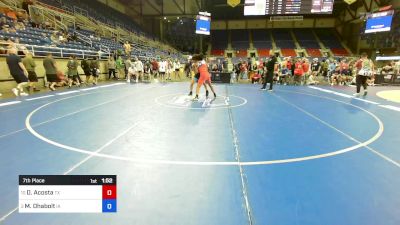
x,y
299,155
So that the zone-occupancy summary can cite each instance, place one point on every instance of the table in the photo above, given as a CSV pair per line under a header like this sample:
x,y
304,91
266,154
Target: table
x,y
221,77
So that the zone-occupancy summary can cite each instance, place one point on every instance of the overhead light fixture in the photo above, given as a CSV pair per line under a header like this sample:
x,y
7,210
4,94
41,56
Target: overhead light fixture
x,y
350,1
165,18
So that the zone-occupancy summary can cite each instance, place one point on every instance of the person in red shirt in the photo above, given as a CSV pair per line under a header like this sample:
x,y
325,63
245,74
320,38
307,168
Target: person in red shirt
x,y
306,69
205,78
298,71
154,67
345,72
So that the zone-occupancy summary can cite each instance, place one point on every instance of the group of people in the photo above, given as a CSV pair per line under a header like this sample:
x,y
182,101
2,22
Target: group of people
x,y
138,69
270,70
62,37
24,72
298,71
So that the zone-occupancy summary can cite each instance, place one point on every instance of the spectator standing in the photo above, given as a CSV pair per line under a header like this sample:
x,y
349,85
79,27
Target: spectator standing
x,y
147,68
30,66
154,67
324,67
131,73
86,68
220,66
128,64
298,72
138,65
177,67
18,72
292,64
119,65
284,72
344,68
396,71
111,67
73,71
365,69
50,67
128,49
243,70
270,66
95,70
162,69
169,68
315,67
306,70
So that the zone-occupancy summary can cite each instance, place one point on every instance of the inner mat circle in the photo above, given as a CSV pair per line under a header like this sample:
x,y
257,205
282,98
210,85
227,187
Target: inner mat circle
x,y
94,153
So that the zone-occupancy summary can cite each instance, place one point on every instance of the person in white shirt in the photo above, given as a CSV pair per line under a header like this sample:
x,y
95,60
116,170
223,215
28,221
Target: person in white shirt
x,y
138,69
396,71
177,67
131,72
128,65
169,69
162,67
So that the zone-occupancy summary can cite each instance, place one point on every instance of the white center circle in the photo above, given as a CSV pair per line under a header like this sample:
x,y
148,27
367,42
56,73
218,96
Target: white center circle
x,y
181,101
358,144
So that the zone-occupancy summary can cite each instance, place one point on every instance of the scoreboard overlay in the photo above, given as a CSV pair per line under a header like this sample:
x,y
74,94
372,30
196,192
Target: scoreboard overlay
x,y
67,193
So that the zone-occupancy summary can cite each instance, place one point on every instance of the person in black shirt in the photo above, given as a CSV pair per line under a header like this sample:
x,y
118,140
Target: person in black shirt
x,y
85,65
270,67
18,72
315,67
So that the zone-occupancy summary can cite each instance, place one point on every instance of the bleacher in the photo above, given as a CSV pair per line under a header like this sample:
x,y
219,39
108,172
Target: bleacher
x,y
285,42
262,42
101,13
307,41
241,53
329,39
219,42
111,17
38,40
240,39
288,52
314,52
283,39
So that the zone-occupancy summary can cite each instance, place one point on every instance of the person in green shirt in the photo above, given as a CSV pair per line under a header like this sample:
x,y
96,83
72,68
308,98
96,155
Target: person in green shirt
x,y
30,66
50,67
120,67
72,72
325,67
